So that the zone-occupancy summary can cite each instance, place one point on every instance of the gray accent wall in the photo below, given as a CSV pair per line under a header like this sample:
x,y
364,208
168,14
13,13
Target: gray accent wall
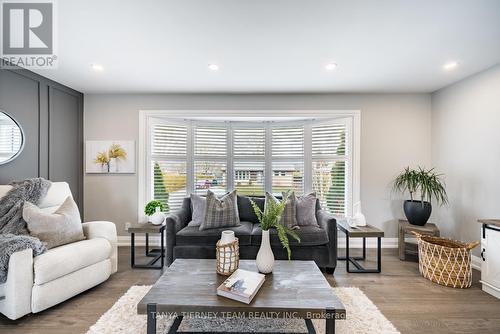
x,y
51,116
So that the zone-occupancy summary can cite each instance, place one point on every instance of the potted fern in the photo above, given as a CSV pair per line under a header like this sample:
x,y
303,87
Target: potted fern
x,y
269,218
429,185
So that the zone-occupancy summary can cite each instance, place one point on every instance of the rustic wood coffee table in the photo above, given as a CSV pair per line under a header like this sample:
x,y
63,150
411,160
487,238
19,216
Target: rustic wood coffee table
x,y
295,289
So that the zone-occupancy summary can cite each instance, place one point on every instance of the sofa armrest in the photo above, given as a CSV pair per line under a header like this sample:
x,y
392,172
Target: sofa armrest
x,y
16,301
175,222
328,222
106,230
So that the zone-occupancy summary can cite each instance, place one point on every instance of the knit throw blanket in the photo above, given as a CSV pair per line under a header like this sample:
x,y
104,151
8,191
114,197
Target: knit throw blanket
x,y
14,235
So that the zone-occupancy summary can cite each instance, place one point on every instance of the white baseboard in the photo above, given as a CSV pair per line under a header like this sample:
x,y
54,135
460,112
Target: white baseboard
x,y
476,262
154,240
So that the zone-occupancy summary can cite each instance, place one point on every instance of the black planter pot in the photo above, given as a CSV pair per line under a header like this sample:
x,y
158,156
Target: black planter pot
x,y
416,213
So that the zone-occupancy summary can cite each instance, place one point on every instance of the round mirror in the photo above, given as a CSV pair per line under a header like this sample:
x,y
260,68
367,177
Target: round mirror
x,y
11,138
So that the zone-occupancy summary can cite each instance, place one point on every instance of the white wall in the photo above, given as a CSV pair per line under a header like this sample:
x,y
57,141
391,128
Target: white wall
x,y
395,133
466,147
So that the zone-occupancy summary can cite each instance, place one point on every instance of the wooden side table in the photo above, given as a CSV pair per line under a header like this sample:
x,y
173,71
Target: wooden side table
x,y
156,254
405,228
364,232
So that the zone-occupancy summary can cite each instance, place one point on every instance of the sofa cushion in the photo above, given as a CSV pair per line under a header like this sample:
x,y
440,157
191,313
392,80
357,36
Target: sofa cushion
x,y
66,259
245,208
221,212
309,236
192,235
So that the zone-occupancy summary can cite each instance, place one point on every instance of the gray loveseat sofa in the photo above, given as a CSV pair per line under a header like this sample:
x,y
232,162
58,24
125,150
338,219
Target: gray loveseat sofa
x,y
318,243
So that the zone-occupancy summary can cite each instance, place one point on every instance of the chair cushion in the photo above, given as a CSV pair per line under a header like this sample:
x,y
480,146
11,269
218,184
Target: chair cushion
x,y
62,227
309,236
192,235
69,258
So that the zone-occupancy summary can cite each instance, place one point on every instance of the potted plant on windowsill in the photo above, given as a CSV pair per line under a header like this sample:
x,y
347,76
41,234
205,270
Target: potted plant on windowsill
x,y
429,185
269,218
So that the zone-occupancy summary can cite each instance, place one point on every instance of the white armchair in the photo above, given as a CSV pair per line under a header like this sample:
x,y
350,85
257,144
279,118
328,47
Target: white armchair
x,y
37,283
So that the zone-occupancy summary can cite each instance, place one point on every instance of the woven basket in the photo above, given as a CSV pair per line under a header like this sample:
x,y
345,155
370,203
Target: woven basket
x,y
445,261
228,257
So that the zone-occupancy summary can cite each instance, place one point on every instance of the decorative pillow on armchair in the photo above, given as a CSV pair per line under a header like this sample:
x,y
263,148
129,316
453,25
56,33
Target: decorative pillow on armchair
x,y
221,212
62,227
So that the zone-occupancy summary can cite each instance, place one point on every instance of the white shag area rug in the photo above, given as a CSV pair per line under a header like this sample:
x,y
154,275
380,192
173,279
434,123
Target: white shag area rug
x,y
363,317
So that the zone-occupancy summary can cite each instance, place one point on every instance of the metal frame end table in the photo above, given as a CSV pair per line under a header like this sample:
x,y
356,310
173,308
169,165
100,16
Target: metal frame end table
x,y
155,253
364,232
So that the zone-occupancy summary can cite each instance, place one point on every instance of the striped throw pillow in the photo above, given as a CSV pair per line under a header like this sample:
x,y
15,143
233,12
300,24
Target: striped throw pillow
x,y
221,212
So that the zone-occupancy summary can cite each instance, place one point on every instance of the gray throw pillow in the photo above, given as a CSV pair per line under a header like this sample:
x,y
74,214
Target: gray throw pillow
x,y
288,217
306,209
221,212
198,209
62,227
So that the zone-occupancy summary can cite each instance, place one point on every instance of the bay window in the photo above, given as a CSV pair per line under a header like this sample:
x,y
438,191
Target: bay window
x,y
191,156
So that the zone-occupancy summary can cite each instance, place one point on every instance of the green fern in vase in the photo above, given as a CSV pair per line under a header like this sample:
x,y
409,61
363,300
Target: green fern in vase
x,y
270,218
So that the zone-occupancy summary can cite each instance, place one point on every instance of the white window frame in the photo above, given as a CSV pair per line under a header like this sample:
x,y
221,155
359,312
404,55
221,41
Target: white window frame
x,y
353,124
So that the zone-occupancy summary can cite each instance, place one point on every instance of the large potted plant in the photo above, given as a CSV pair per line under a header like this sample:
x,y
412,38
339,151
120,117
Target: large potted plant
x,y
426,183
269,218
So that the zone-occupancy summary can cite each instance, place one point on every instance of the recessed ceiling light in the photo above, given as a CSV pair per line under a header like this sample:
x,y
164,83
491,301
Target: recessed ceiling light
x,y
213,67
330,66
97,67
450,66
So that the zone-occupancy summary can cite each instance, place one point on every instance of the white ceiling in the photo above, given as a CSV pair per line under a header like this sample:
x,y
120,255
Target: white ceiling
x,y
273,45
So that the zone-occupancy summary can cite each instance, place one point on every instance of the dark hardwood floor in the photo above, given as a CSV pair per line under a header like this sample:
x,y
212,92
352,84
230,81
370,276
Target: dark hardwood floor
x,y
410,302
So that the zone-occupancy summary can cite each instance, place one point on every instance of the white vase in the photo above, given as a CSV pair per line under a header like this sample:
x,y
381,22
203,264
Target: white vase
x,y
265,256
113,168
158,217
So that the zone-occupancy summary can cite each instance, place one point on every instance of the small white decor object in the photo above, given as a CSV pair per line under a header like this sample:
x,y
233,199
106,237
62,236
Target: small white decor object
x,y
351,222
158,217
241,286
109,156
227,237
265,256
358,217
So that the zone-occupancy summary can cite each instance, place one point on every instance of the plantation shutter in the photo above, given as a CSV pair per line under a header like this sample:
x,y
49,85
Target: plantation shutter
x,y
168,165
249,148
210,141
249,142
329,166
210,154
288,142
188,156
287,159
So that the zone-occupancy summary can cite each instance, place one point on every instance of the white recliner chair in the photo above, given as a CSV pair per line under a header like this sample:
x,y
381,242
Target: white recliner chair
x,y
37,283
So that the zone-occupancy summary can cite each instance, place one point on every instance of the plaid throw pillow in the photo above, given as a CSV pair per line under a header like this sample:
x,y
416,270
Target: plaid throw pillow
x,y
221,212
288,217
